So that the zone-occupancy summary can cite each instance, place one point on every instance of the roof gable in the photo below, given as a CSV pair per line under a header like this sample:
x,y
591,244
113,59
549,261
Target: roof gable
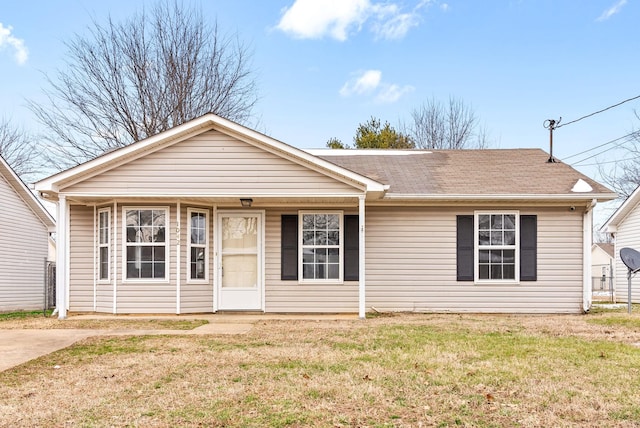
x,y
25,194
623,211
192,128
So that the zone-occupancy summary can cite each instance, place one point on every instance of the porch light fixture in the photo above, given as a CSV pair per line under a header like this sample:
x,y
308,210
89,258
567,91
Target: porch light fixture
x,y
246,202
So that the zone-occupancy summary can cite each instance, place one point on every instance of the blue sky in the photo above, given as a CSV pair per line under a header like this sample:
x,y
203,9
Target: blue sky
x,y
323,67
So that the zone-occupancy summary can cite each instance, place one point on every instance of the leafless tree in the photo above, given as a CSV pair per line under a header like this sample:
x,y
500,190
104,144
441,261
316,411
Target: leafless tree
x,y
436,125
623,176
18,150
126,81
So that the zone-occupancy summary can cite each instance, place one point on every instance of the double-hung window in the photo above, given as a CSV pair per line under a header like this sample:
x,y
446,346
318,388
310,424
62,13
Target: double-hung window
x,y
321,236
146,243
198,244
103,243
497,245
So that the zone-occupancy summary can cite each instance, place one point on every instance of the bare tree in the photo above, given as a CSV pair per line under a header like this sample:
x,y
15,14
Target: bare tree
x,y
130,80
623,176
446,126
17,149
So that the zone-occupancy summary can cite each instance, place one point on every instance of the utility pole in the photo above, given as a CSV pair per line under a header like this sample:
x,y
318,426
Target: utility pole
x,y
551,124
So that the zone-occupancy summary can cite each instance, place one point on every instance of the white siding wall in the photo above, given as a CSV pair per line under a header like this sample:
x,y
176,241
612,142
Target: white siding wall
x,y
139,297
23,251
211,163
628,235
195,297
290,296
411,264
81,259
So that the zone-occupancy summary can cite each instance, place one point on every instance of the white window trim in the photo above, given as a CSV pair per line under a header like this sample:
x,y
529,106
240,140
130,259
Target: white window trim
x,y
206,246
103,245
167,254
301,248
477,248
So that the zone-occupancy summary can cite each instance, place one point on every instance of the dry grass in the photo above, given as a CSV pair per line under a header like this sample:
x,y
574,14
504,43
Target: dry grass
x,y
402,370
35,320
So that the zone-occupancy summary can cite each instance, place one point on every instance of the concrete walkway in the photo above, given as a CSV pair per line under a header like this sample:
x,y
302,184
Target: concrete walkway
x,y
21,345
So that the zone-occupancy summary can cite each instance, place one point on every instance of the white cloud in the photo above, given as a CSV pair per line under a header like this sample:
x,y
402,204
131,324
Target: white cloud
x,y
362,83
314,19
392,93
395,27
370,82
7,39
612,10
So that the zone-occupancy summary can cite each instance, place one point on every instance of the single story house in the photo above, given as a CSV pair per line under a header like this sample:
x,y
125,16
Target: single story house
x,y
212,216
624,226
25,227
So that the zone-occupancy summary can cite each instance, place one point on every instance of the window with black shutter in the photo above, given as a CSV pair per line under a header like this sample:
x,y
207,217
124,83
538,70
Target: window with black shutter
x,y
486,250
318,247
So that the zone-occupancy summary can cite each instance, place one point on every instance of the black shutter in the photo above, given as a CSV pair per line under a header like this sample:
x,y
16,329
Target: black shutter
x,y
289,248
528,248
351,245
464,247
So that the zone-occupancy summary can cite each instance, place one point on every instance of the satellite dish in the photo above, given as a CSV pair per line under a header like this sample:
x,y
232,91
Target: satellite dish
x,y
631,259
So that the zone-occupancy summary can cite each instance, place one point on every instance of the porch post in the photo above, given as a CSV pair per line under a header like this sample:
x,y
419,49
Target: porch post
x,y
361,263
61,257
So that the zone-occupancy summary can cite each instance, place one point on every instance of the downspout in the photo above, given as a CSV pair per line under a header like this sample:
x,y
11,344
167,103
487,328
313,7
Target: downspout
x,y
61,262
361,256
178,217
587,239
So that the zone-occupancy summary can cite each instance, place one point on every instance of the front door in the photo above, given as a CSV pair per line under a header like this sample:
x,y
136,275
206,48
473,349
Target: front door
x,y
240,245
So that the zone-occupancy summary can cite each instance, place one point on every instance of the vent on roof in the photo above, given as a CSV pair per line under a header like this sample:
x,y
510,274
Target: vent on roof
x,y
581,186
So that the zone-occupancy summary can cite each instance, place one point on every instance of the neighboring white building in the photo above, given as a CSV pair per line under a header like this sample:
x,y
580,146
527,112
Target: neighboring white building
x,y
624,226
602,259
25,226
212,216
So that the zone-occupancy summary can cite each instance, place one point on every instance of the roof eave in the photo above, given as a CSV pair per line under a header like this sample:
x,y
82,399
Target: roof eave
x,y
600,197
622,211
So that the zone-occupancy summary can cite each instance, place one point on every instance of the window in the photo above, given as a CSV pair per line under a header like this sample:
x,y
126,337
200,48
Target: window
x,y
103,243
198,244
321,246
291,253
146,243
496,246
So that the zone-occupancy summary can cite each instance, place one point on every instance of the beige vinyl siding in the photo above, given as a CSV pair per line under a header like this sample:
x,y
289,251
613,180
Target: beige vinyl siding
x,y
628,235
290,296
411,264
195,297
212,163
81,261
23,251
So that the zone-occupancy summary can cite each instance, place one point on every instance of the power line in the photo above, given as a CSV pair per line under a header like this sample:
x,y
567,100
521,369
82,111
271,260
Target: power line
x,y
601,145
608,162
604,151
598,112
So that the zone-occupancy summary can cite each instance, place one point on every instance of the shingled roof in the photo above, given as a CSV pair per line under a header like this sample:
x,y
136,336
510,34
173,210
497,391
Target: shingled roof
x,y
466,172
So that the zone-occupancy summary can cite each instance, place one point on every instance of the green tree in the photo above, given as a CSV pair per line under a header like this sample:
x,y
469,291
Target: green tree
x,y
336,143
373,135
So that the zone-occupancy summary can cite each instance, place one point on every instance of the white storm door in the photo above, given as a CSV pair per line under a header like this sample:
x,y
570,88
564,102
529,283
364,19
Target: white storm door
x,y
240,254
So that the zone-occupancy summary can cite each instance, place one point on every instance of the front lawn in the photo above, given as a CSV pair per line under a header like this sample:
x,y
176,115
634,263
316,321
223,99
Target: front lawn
x,y
401,370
